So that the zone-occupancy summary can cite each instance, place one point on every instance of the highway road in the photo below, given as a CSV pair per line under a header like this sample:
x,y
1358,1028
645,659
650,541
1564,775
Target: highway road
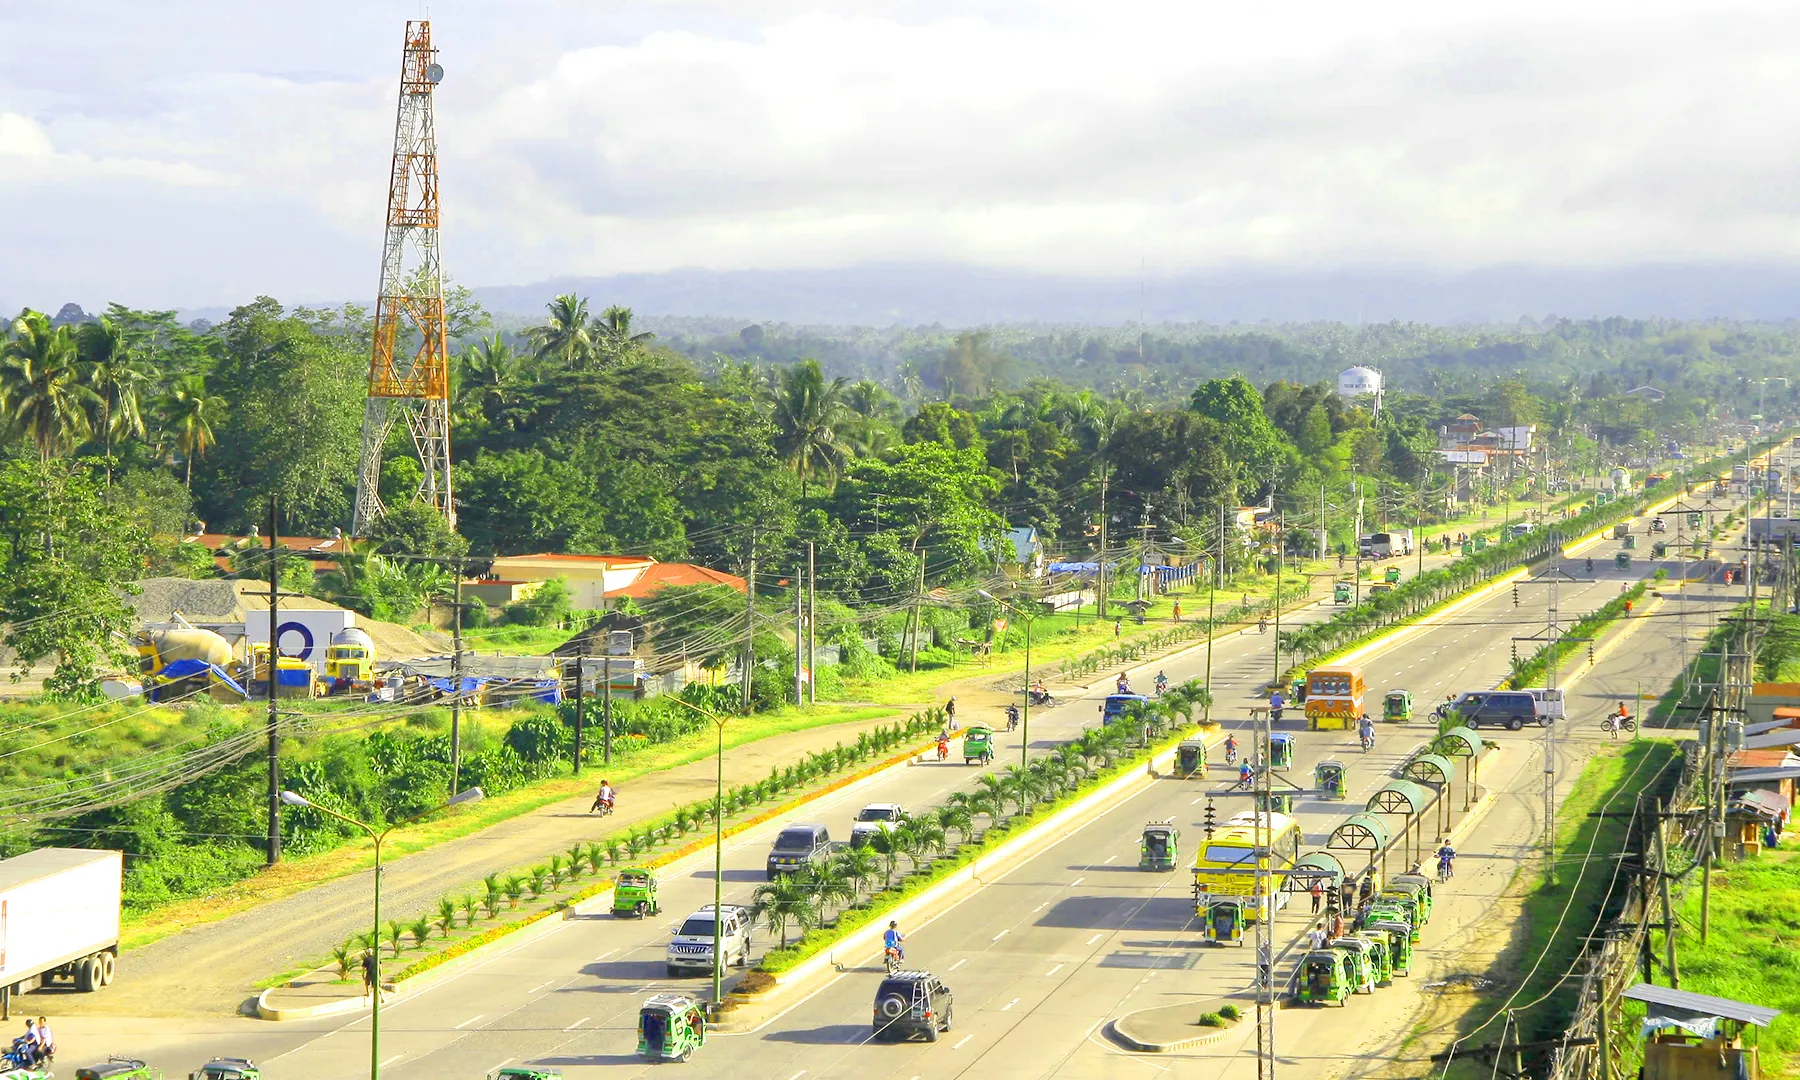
x,y
1037,960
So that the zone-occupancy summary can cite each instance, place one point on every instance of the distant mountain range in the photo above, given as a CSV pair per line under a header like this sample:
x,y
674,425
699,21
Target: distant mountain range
x,y
884,294
954,294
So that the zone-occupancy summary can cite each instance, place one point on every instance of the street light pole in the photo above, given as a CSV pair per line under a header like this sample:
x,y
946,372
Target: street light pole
x,y
294,798
1025,723
718,966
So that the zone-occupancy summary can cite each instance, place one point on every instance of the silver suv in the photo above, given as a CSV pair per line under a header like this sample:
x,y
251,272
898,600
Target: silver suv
x,y
874,818
691,949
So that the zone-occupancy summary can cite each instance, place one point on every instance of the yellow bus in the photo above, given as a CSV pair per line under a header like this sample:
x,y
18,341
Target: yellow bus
x,y
1225,869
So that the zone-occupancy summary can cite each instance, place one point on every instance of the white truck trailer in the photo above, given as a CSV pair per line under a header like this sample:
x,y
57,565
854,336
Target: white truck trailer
x,y
59,920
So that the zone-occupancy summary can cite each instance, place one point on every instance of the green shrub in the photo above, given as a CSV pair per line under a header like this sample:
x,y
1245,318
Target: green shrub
x,y
1211,1019
1230,1012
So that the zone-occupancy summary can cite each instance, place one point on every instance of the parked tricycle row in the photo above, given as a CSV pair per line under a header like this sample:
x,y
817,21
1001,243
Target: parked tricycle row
x,y
1380,947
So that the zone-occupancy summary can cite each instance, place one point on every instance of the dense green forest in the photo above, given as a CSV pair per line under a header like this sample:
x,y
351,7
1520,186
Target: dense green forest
x,y
583,432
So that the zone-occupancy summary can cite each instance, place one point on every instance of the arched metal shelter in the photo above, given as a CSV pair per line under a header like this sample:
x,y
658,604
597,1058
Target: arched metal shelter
x,y
1407,798
1430,769
1465,743
1360,832
1323,861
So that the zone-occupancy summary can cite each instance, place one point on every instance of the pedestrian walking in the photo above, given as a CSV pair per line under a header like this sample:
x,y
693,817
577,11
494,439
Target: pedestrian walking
x,y
371,973
1116,629
1315,938
1337,926
1318,894
1177,611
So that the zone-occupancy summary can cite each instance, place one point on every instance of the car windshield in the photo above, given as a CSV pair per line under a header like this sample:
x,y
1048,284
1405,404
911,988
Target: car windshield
x,y
698,926
794,840
1221,853
877,813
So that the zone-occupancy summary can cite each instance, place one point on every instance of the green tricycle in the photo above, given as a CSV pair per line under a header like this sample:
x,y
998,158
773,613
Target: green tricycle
x,y
670,1027
1190,759
227,1068
1398,936
634,892
1281,751
1622,560
978,744
1381,957
1340,593
1388,908
524,1072
1393,575
1328,777
1158,848
118,1068
1322,978
1224,922
1397,706
1419,886
1630,543
1358,968
1659,550
1281,802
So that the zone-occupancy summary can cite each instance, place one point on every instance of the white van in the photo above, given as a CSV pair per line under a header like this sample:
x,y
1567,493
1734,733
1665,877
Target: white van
x,y
1548,703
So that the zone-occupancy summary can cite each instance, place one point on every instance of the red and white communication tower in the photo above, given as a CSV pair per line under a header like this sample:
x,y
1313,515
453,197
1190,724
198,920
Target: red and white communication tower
x,y
409,366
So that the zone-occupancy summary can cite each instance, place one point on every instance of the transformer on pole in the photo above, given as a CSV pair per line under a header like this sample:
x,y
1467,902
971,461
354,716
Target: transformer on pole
x,y
409,364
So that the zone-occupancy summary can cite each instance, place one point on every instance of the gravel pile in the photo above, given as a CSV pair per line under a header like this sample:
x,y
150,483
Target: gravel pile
x,y
206,601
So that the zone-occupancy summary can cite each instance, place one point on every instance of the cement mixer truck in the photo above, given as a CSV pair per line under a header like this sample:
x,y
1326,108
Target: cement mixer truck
x,y
179,663
350,662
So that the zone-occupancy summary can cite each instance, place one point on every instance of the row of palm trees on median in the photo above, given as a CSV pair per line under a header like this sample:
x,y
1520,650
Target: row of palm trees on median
x,y
854,877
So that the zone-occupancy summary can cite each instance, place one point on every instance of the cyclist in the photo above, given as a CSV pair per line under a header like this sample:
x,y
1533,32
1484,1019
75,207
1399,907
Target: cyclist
x,y
1162,682
1446,856
1231,749
1366,729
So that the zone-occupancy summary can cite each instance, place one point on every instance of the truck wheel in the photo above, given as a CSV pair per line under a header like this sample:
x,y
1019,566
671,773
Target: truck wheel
x,y
109,962
87,974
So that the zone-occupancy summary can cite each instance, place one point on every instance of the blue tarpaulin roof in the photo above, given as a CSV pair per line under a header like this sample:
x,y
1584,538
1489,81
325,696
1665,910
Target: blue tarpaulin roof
x,y
187,669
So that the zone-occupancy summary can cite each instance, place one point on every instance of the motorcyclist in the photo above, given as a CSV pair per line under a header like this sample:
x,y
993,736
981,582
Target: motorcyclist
x,y
1012,717
1446,856
1262,625
1037,693
1365,728
1590,565
1124,684
1276,704
603,800
1162,682
1244,774
1230,749
893,940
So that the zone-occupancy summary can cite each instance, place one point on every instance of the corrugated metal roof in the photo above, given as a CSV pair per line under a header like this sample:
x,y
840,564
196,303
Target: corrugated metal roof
x,y
1783,737
1702,1004
1746,777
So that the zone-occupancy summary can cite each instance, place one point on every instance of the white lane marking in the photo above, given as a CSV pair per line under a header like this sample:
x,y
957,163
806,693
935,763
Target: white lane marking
x,y
1041,906
540,986
604,955
1054,970
1009,1004
1110,858
502,1065
391,1060
1095,938
577,1023
1196,802
959,963
1076,882
961,1041
469,1021
1000,935
798,1075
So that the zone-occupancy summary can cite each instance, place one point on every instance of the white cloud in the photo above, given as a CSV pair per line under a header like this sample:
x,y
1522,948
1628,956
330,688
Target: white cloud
x,y
215,152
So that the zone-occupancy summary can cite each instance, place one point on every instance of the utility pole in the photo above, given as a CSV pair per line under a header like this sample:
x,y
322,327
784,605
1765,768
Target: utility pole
x,y
580,708
1265,902
1280,569
1100,597
812,625
1143,588
273,672
749,631
1324,533
1554,639
1212,595
799,640
1668,918
456,686
918,621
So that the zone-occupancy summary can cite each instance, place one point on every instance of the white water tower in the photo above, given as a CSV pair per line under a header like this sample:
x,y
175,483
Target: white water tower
x,y
1360,382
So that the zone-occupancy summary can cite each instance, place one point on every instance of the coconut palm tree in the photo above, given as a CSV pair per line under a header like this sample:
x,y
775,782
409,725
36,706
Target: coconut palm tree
x,y
995,789
886,847
1024,786
117,375
810,416
860,866
491,375
613,339
189,413
786,901
41,387
565,335
955,817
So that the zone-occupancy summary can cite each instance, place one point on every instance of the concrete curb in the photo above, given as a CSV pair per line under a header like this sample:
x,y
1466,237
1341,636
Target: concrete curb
x,y
820,970
1118,1035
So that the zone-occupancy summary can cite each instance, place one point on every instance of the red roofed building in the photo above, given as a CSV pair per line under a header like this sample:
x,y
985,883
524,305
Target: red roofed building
x,y
592,579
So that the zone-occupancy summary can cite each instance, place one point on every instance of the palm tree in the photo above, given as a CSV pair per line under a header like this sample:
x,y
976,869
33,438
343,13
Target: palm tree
x,y
956,817
41,386
809,418
1024,786
786,901
564,335
884,844
928,836
995,789
829,886
189,412
613,338
117,375
492,375
859,866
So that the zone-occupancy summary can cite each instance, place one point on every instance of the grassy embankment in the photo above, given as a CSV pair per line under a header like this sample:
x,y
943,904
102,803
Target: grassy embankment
x,y
1555,918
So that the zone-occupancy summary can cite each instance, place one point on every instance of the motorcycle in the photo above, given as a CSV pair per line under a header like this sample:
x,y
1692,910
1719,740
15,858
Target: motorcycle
x,y
1446,869
1262,626
1231,753
1275,713
1162,687
1042,698
943,749
1615,723
605,806
891,957
1590,566
1367,738
1012,717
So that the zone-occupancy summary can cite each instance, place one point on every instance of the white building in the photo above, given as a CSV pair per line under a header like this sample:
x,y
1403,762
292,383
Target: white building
x,y
1360,382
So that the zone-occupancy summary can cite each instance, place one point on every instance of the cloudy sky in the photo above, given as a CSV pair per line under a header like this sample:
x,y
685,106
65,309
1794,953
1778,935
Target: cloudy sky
x,y
199,152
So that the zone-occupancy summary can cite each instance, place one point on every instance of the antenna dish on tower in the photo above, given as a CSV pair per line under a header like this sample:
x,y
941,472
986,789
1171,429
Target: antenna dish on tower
x,y
434,73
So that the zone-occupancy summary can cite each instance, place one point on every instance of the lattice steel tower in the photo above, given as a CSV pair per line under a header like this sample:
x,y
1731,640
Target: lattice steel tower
x,y
409,314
